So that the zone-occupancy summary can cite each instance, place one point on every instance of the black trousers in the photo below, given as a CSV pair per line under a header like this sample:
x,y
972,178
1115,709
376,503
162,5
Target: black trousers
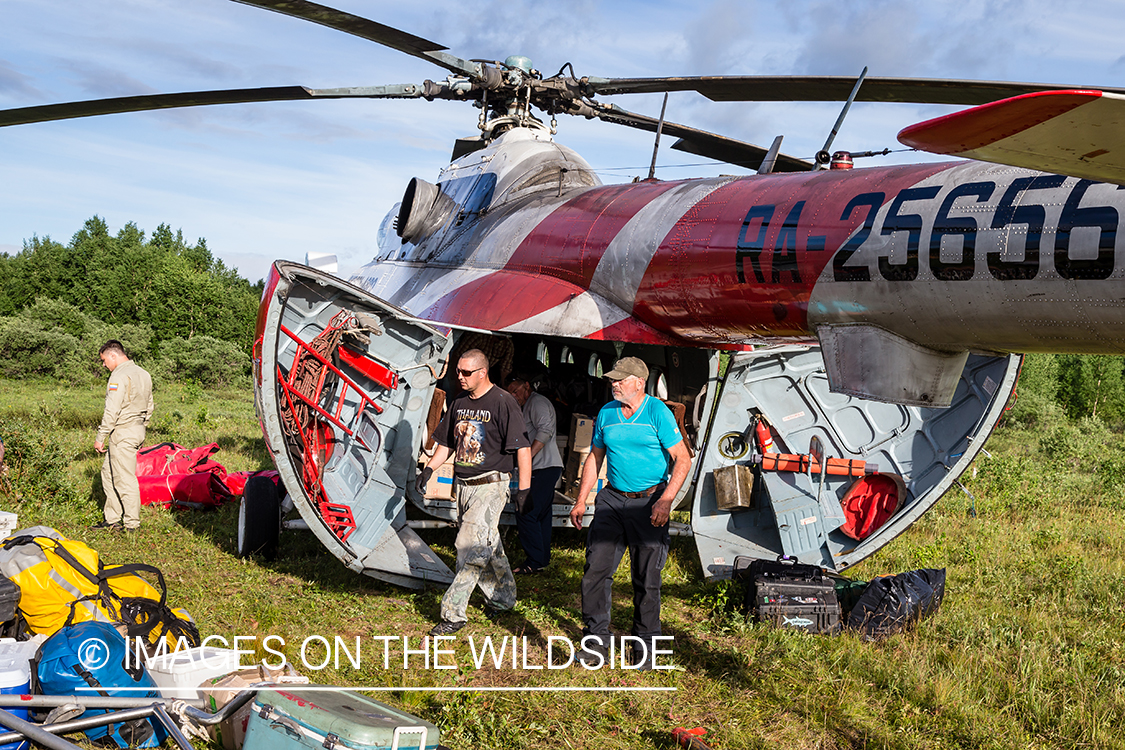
x,y
535,527
622,523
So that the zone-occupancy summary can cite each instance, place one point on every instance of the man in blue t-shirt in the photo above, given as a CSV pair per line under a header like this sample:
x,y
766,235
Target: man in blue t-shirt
x,y
648,463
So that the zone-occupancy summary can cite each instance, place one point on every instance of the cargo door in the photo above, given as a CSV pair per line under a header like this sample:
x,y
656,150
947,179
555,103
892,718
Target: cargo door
x,y
343,383
917,452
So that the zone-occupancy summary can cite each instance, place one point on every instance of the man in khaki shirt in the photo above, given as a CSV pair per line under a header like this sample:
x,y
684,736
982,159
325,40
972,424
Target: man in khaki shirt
x,y
128,409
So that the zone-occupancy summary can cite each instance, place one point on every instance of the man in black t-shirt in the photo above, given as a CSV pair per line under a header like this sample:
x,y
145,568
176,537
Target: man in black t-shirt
x,y
484,431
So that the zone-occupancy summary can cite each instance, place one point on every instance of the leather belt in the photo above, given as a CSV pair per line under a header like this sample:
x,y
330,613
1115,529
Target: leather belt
x,y
642,493
491,477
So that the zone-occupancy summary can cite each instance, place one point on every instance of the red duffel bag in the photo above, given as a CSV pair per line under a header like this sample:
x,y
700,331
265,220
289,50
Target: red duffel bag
x,y
201,490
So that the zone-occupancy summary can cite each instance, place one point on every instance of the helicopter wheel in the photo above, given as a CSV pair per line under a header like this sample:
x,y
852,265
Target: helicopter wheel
x,y
259,519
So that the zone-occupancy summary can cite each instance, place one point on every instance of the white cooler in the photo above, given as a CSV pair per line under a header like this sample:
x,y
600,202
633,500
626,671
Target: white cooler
x,y
179,675
15,675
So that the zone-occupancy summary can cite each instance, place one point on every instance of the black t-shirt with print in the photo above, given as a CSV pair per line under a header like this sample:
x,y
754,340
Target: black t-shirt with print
x,y
484,433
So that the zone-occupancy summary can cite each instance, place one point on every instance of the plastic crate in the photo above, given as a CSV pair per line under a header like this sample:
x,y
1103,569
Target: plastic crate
x,y
9,522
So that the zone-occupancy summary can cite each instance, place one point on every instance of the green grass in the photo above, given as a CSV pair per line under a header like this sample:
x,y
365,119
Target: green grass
x,y
1026,651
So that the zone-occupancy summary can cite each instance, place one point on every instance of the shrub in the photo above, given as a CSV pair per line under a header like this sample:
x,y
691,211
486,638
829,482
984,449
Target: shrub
x,y
35,464
205,360
1080,446
53,313
29,348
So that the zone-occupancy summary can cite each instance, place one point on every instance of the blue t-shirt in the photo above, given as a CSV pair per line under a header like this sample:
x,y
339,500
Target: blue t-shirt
x,y
636,448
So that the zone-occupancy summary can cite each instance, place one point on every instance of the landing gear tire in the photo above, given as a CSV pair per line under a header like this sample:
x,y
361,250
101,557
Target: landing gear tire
x,y
259,519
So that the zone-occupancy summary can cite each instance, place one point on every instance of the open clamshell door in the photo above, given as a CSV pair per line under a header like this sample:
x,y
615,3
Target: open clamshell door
x,y
343,383
918,453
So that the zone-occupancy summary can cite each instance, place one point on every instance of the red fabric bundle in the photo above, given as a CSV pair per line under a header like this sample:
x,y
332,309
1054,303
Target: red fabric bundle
x,y
169,458
869,502
172,475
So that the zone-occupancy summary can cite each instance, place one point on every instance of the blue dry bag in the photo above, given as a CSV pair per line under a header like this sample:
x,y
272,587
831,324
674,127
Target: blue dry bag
x,y
90,659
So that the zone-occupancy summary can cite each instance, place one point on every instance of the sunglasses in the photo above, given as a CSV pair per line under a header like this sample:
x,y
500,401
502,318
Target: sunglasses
x,y
467,373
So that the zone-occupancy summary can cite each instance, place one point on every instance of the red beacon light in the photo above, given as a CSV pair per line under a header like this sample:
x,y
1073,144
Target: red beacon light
x,y
841,160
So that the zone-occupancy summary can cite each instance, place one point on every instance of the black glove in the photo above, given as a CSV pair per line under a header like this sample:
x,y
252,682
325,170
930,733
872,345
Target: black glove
x,y
423,480
523,501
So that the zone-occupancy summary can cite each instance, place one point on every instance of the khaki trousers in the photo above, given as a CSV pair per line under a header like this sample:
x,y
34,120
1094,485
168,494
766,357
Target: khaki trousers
x,y
481,561
119,476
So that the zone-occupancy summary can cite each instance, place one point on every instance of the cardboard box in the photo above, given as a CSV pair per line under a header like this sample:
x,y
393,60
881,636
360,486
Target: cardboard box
x,y
581,432
572,476
219,691
440,486
598,487
573,465
572,472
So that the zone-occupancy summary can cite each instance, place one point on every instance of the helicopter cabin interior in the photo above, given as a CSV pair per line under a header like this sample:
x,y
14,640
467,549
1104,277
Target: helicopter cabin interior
x,y
569,373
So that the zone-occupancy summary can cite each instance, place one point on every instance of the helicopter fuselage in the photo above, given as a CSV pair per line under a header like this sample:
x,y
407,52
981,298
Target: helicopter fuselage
x,y
938,259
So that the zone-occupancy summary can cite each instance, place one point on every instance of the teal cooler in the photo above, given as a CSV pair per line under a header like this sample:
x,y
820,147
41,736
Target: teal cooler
x,y
15,676
292,719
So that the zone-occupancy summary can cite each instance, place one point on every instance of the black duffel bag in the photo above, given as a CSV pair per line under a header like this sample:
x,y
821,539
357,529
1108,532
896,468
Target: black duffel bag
x,y
894,603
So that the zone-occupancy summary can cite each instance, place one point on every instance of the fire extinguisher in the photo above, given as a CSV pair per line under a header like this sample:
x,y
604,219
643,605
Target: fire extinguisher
x,y
765,439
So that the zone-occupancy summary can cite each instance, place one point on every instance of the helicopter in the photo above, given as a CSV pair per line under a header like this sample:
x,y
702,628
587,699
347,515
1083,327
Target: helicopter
x,y
871,314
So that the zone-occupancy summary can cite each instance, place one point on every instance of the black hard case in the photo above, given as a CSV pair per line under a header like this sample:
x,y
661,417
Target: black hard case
x,y
9,599
788,594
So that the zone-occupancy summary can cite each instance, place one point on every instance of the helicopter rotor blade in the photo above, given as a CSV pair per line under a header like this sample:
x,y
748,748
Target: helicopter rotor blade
x,y
830,88
701,142
373,31
147,102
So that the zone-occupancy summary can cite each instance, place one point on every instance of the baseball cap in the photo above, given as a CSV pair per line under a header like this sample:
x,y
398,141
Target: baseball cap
x,y
627,366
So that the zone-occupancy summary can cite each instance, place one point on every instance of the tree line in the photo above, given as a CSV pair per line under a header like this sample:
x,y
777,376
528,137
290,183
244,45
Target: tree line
x,y
58,303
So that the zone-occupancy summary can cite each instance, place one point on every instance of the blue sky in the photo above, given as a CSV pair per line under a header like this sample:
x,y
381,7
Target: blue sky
x,y
278,180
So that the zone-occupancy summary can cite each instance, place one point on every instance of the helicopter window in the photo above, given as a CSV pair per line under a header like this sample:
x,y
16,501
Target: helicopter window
x,y
387,238
541,354
658,385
